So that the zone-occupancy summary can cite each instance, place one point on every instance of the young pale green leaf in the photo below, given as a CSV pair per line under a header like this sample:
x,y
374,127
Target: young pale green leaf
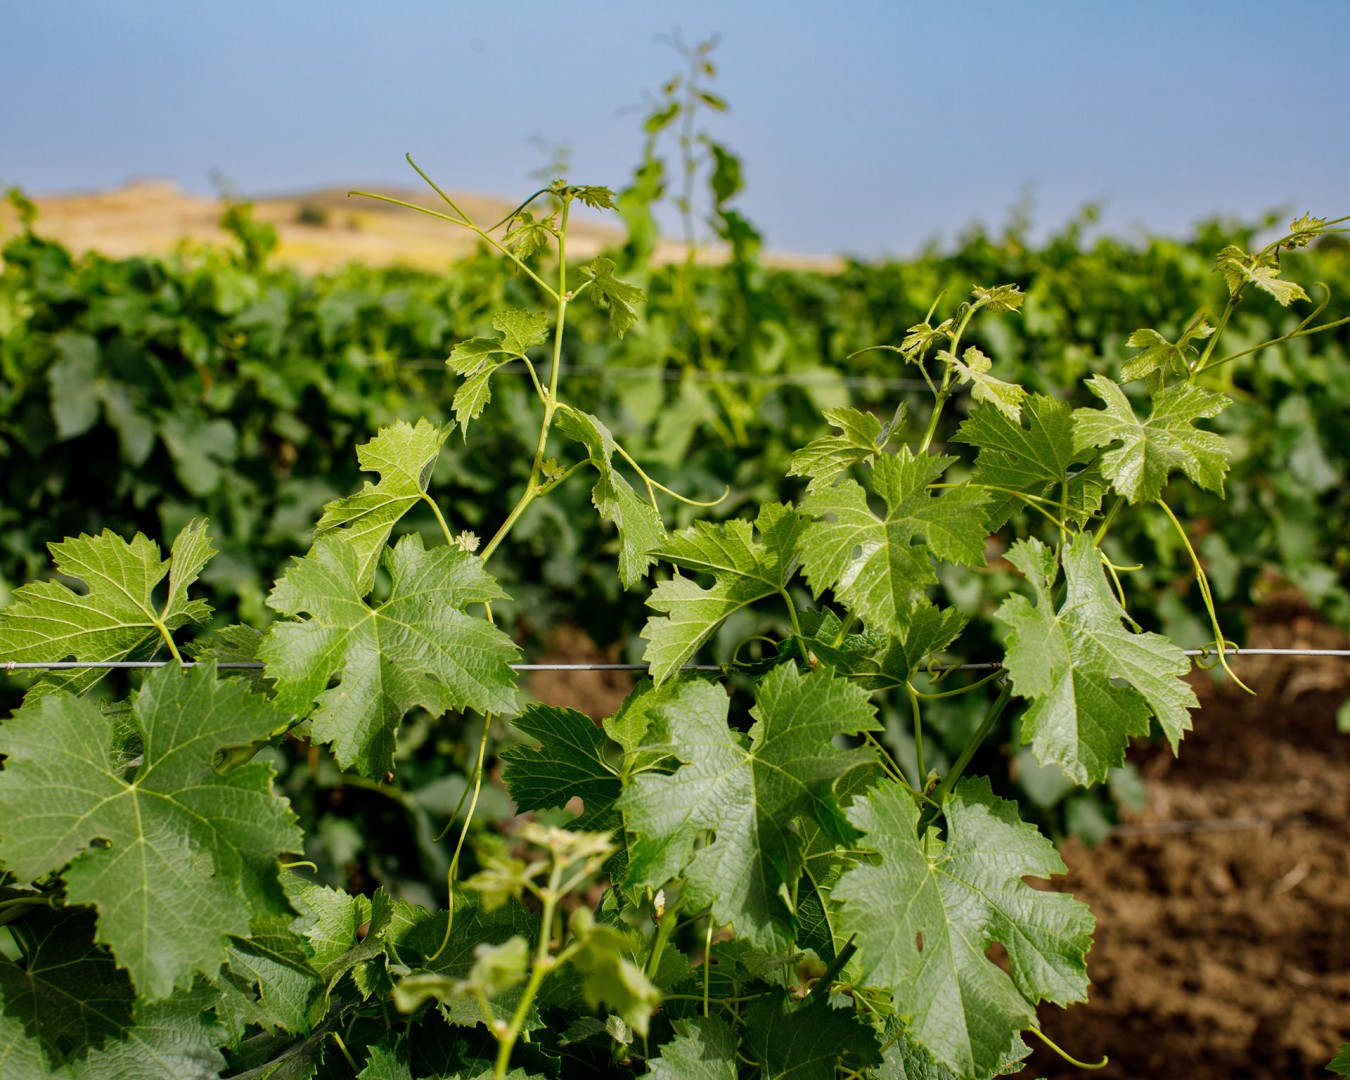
x,y
639,525
1150,450
1240,268
1038,460
973,367
793,1040
1303,230
999,298
573,759
592,195
404,456
879,566
176,857
747,797
609,978
927,913
744,569
1157,354
418,647
1065,662
703,1049
921,337
117,617
619,295
527,236
478,358
861,437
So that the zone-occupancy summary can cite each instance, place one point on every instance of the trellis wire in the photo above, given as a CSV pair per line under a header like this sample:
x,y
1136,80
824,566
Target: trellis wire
x,y
993,665
823,378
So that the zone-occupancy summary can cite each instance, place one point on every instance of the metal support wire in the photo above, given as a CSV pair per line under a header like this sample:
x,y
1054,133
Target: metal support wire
x,y
64,665
761,378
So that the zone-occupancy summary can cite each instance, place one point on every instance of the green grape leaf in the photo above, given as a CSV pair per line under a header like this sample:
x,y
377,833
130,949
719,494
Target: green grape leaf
x,y
926,914
418,647
973,367
345,933
528,236
387,1063
883,661
1157,354
66,999
805,1041
478,358
639,724
818,913
404,456
117,617
618,294
573,759
873,564
639,525
744,569
861,437
905,1059
999,298
283,1056
176,857
609,978
1340,1064
1240,268
746,796
703,1049
416,934
1167,440
170,1040
1065,663
268,980
1037,460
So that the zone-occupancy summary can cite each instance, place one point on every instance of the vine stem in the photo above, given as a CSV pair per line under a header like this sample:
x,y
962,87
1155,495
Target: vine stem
x,y
918,736
543,964
945,391
463,835
1202,579
1065,1054
986,726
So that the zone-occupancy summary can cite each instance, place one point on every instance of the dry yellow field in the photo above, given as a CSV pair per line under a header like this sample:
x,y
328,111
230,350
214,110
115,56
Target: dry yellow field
x,y
318,230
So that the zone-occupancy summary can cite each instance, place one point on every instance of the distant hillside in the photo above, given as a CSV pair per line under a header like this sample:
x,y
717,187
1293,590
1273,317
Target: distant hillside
x,y
318,230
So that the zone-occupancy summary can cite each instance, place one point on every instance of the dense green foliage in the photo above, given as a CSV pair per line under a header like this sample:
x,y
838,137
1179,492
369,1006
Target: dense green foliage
x,y
796,870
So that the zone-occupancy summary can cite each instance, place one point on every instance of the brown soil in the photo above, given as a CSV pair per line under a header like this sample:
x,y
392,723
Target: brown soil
x,y
1223,941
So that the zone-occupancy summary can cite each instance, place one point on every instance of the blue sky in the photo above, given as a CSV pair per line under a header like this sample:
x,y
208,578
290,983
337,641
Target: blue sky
x,y
866,127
